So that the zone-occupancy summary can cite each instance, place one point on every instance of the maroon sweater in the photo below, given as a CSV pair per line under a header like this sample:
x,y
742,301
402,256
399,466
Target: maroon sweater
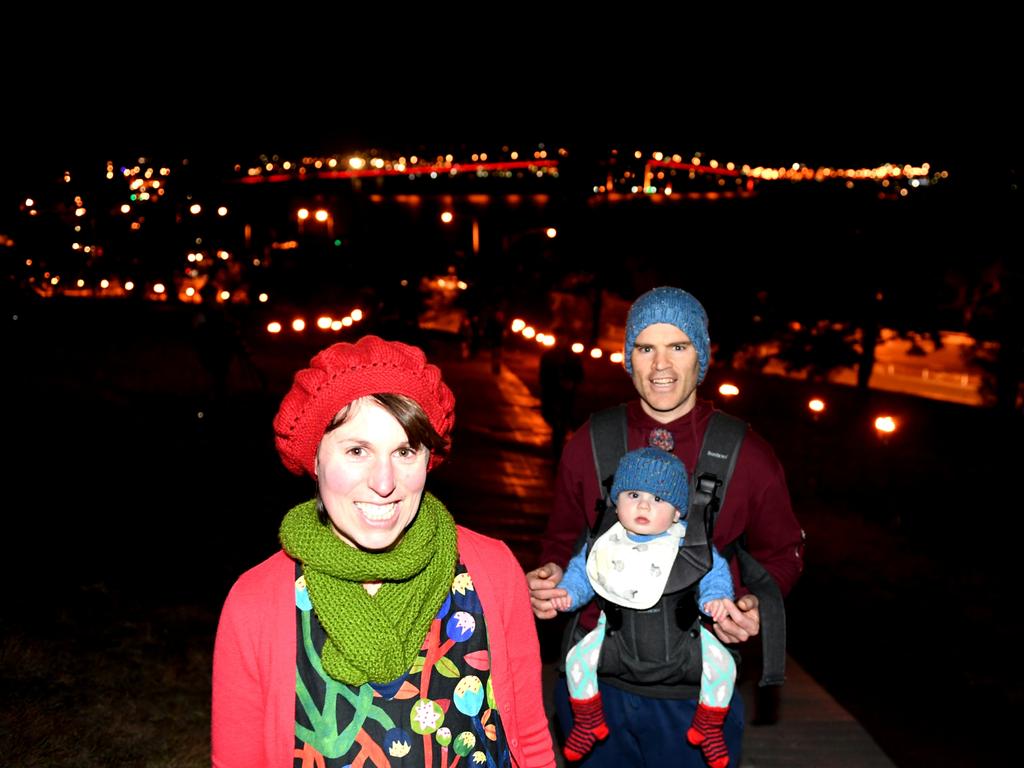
x,y
756,503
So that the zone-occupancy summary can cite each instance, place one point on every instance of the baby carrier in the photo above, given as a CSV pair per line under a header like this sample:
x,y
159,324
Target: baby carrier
x,y
656,651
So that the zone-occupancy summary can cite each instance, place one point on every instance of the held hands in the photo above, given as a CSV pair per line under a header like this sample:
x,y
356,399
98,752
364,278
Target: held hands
x,y
719,609
544,591
562,603
740,622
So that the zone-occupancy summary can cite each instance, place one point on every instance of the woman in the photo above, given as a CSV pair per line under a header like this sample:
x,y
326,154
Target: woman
x,y
382,633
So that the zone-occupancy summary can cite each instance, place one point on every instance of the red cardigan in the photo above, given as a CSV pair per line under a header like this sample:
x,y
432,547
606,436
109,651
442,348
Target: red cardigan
x,y
253,722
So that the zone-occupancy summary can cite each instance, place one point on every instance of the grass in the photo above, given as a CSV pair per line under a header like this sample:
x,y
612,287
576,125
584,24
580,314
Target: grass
x,y
94,678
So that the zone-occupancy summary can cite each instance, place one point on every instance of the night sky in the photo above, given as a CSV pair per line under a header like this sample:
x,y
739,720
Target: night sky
x,y
901,91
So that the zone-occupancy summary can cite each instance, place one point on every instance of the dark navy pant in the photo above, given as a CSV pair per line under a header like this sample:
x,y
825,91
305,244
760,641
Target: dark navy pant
x,y
649,732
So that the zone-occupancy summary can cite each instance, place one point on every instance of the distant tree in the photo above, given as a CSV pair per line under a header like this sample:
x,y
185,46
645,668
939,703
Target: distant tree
x,y
994,309
818,349
995,319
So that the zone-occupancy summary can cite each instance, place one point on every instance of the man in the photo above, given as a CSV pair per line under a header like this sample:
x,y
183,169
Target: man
x,y
667,353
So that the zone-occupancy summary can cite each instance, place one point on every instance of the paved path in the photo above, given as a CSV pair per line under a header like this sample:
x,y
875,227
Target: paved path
x,y
499,481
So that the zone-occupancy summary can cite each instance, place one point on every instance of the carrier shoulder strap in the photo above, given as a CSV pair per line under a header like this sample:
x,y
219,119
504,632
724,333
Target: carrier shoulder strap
x,y
710,478
608,443
722,441
717,460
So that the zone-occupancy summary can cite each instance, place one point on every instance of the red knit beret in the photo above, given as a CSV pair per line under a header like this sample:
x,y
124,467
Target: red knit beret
x,y
345,372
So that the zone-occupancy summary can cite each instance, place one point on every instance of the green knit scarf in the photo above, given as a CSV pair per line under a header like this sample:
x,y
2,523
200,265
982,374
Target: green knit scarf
x,y
374,639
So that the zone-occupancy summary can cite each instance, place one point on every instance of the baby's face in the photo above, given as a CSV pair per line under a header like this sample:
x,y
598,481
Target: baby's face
x,y
642,512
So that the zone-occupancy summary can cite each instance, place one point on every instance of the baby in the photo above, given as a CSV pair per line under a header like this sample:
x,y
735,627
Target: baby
x,y
629,565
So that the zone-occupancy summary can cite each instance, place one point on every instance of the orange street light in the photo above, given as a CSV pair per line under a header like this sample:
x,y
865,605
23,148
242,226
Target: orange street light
x,y
885,426
323,216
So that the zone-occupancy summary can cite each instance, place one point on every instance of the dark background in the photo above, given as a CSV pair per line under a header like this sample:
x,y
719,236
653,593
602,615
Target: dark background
x,y
129,516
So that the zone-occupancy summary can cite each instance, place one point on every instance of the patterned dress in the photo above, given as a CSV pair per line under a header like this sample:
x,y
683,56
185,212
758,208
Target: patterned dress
x,y
441,712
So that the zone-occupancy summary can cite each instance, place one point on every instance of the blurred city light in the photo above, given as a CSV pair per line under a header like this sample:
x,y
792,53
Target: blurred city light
x,y
728,390
274,327
298,325
616,357
596,353
816,405
529,332
885,425
577,347
518,325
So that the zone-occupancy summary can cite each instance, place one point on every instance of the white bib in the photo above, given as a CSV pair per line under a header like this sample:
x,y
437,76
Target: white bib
x,y
633,573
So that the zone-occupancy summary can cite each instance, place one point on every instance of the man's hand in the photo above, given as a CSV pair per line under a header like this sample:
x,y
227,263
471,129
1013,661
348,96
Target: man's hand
x,y
742,622
543,583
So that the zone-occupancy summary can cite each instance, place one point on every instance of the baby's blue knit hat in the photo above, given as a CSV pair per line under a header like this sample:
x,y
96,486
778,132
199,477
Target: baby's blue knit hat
x,y
675,307
654,471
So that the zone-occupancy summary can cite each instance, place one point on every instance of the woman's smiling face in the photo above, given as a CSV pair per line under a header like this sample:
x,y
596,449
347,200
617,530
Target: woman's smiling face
x,y
371,481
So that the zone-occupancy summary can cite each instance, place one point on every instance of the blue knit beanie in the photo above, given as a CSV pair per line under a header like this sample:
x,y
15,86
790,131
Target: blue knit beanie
x,y
675,307
654,471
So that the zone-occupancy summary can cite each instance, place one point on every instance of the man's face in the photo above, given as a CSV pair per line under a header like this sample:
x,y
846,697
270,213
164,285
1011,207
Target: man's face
x,y
665,371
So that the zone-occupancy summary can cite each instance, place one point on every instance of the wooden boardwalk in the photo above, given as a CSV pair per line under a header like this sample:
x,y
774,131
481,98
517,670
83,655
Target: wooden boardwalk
x,y
813,730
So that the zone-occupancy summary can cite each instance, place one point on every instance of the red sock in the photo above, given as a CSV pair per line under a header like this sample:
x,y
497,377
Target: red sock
x,y
706,731
588,726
